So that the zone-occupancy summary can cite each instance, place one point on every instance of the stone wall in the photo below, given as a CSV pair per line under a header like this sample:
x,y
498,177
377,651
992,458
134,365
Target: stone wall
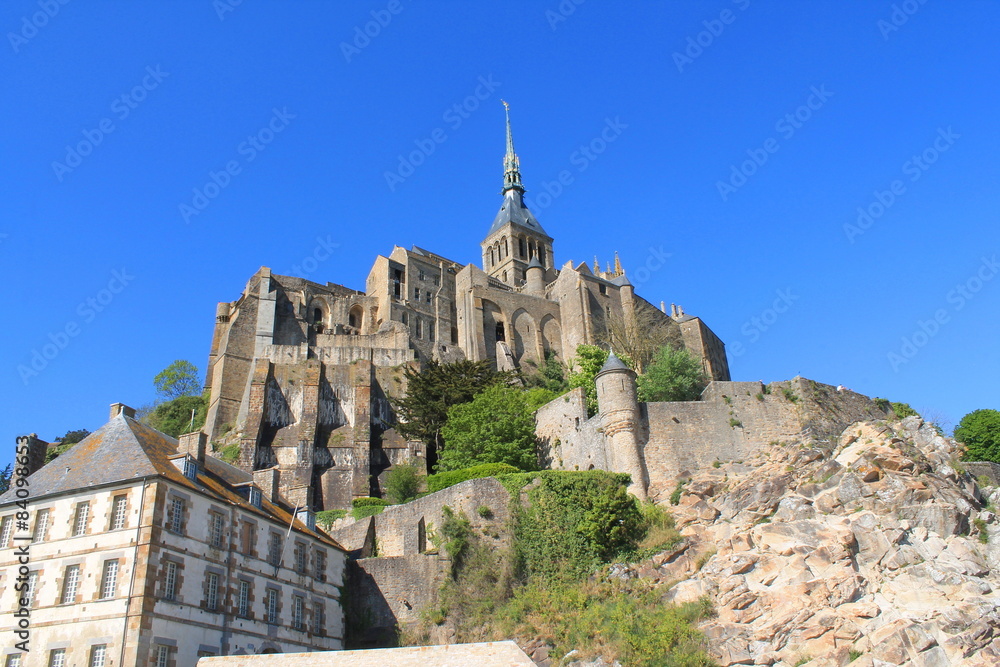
x,y
409,529
984,469
390,591
729,423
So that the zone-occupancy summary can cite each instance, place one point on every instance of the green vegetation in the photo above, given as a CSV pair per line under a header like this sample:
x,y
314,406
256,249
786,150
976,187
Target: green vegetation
x,y
443,480
431,392
326,518
5,476
572,522
402,484
454,536
176,380
980,525
735,423
175,417
582,371
979,431
675,495
854,654
790,395
364,507
553,583
497,426
903,410
230,453
551,375
673,375
65,442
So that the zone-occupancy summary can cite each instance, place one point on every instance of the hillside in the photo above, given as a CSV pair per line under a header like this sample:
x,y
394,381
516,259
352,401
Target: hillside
x,y
874,550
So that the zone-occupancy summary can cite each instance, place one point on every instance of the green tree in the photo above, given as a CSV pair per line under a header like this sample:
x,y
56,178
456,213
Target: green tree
x,y
178,379
979,431
402,483
174,417
5,475
550,375
583,370
423,411
497,426
674,375
65,442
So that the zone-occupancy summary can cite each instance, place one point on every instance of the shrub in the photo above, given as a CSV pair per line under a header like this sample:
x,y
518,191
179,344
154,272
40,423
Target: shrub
x,y
402,483
790,395
903,410
174,417
497,426
443,480
675,495
979,431
326,518
674,375
454,535
365,507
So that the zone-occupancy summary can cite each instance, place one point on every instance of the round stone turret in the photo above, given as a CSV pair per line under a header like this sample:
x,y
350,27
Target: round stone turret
x,y
618,405
535,277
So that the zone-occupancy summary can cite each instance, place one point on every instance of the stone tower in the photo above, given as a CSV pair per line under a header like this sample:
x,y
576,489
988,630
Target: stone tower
x,y
618,405
515,236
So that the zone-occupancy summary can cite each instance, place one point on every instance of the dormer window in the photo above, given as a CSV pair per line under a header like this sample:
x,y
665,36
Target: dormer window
x,y
307,517
190,469
255,497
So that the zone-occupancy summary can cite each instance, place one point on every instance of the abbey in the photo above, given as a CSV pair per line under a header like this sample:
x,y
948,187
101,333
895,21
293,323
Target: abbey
x,y
301,373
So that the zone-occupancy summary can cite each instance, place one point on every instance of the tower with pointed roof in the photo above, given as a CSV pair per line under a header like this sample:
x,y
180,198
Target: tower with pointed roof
x,y
516,236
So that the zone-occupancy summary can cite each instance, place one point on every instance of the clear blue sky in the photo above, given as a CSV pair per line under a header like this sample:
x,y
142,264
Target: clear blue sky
x,y
834,101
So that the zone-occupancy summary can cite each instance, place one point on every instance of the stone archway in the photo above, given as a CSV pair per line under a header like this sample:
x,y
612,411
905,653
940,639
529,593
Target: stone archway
x,y
524,337
552,337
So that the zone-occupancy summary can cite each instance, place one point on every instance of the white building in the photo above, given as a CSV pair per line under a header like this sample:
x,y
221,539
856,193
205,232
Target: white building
x,y
142,550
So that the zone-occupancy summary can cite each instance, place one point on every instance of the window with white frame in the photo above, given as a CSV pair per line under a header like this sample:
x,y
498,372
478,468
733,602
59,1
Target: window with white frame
x,y
118,507
29,592
244,603
98,655
41,526
109,579
175,520
274,550
212,591
6,530
319,618
170,581
320,565
162,655
80,519
191,469
57,657
301,551
71,580
215,529
297,607
271,606
13,660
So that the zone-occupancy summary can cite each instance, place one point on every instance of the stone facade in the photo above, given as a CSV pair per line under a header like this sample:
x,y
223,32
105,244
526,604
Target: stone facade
x,y
143,548
301,373
675,440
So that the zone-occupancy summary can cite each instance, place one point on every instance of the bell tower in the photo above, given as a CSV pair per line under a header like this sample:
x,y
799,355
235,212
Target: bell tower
x,y
515,237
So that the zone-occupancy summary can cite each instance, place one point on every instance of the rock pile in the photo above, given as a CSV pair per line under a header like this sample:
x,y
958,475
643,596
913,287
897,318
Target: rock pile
x,y
874,550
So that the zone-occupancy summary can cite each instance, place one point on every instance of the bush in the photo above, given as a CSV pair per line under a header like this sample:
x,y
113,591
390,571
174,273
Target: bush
x,y
402,483
497,426
174,417
903,410
979,431
674,375
443,480
365,507
583,369
572,522
326,518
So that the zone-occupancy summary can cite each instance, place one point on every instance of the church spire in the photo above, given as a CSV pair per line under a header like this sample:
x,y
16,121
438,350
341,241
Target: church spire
x,y
511,165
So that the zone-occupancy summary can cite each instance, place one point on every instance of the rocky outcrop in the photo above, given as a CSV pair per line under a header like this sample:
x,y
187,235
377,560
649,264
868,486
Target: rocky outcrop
x,y
873,550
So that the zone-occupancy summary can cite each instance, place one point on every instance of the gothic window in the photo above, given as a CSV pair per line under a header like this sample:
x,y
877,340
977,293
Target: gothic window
x,y
506,248
317,315
520,247
505,276
419,328
500,332
430,331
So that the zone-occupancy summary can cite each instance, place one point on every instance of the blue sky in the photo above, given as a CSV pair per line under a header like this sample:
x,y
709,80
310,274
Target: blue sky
x,y
816,180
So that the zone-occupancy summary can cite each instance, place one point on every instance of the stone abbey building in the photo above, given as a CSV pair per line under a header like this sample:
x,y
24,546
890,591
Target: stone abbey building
x,y
301,373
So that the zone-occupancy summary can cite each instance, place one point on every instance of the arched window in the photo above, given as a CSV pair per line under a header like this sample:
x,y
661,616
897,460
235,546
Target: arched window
x,y
520,247
317,315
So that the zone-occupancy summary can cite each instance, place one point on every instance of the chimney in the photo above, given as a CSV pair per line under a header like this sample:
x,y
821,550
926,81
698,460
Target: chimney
x,y
267,482
193,443
121,409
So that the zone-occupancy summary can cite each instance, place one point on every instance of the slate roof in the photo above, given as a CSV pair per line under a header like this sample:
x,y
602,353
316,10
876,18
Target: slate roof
x,y
514,211
124,450
613,364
